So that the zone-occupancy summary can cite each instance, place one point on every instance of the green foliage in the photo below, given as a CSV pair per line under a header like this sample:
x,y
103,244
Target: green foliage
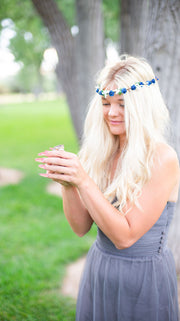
x,y
28,46
67,7
27,80
32,38
111,11
36,240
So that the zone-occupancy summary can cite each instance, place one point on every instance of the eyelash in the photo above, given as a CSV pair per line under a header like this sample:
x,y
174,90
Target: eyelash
x,y
109,105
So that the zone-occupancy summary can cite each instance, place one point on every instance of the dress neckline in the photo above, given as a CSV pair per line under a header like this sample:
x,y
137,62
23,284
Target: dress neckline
x,y
171,202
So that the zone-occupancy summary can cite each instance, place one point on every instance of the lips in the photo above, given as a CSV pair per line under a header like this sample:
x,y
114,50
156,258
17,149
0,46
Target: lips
x,y
113,122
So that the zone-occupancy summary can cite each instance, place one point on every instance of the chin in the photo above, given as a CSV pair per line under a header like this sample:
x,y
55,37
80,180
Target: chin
x,y
117,132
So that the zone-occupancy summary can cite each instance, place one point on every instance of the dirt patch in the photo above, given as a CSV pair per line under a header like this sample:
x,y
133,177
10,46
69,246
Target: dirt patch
x,y
10,176
72,278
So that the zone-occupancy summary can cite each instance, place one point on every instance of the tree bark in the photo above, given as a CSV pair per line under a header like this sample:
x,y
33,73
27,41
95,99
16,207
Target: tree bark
x,y
156,36
133,15
90,54
163,50
79,57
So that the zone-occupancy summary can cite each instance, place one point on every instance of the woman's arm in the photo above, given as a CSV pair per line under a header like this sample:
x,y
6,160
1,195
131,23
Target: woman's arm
x,y
126,230
122,230
75,211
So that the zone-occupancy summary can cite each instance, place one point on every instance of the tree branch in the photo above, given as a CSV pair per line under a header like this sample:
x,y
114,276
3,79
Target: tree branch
x,y
58,29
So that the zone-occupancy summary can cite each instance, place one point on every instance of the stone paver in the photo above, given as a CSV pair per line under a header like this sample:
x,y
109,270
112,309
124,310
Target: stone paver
x,y
54,188
10,176
72,278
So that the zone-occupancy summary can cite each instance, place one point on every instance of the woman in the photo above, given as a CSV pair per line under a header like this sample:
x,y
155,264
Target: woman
x,y
126,180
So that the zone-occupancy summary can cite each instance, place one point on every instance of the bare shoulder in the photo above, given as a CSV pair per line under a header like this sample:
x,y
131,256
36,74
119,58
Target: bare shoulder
x,y
167,156
166,169
161,188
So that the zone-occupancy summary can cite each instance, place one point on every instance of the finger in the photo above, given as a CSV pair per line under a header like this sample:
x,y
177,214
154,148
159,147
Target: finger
x,y
58,153
62,182
39,160
56,161
44,174
56,180
57,169
59,177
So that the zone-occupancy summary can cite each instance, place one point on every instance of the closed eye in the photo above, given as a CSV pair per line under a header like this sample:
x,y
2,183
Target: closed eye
x,y
106,104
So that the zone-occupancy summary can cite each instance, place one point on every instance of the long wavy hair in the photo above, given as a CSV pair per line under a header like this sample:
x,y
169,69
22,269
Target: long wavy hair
x,y
146,120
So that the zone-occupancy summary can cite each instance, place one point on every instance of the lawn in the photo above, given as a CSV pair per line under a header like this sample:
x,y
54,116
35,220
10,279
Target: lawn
x,y
36,242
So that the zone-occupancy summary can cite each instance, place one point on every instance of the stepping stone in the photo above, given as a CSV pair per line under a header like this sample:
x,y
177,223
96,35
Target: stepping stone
x,y
54,188
72,278
9,176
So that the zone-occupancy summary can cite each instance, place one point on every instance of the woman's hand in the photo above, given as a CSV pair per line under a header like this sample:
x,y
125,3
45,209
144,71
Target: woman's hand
x,y
62,167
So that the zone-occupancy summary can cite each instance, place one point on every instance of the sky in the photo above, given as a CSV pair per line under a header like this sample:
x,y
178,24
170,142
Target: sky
x,y
8,66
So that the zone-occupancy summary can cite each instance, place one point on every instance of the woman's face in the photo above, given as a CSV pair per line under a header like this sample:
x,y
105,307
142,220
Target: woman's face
x,y
113,112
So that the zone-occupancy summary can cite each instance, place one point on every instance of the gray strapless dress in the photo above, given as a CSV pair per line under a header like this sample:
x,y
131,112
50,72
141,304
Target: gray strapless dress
x,y
134,284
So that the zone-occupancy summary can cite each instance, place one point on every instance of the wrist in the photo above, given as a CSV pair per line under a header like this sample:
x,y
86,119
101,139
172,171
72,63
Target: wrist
x,y
85,183
68,187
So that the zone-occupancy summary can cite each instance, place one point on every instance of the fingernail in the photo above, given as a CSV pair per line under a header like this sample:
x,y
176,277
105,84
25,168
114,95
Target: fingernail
x,y
39,159
42,166
44,175
44,153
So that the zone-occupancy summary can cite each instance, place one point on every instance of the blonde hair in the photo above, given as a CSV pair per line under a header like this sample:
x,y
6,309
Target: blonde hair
x,y
146,118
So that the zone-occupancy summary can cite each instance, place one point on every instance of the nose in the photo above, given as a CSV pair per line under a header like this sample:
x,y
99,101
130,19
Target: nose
x,y
114,110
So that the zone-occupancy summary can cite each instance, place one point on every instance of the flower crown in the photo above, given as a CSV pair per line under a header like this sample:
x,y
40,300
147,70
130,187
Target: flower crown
x,y
121,91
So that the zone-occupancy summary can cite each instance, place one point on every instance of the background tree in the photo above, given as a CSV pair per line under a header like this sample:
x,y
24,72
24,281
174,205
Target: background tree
x,y
80,57
154,32
27,44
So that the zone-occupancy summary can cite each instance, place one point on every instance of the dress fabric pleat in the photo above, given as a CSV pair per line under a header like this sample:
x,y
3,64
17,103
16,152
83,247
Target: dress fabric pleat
x,y
138,283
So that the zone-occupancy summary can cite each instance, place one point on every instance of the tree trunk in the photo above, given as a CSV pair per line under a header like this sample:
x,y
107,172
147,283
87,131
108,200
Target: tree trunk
x,y
133,15
90,54
158,40
79,57
162,48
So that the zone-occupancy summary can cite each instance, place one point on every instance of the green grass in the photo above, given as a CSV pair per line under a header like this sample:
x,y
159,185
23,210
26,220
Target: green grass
x,y
36,241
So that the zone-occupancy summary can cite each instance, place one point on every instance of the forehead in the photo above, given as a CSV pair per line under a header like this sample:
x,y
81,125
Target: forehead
x,y
115,98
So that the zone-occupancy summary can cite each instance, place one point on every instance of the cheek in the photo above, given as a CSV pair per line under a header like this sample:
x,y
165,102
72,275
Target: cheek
x,y
105,117
105,112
